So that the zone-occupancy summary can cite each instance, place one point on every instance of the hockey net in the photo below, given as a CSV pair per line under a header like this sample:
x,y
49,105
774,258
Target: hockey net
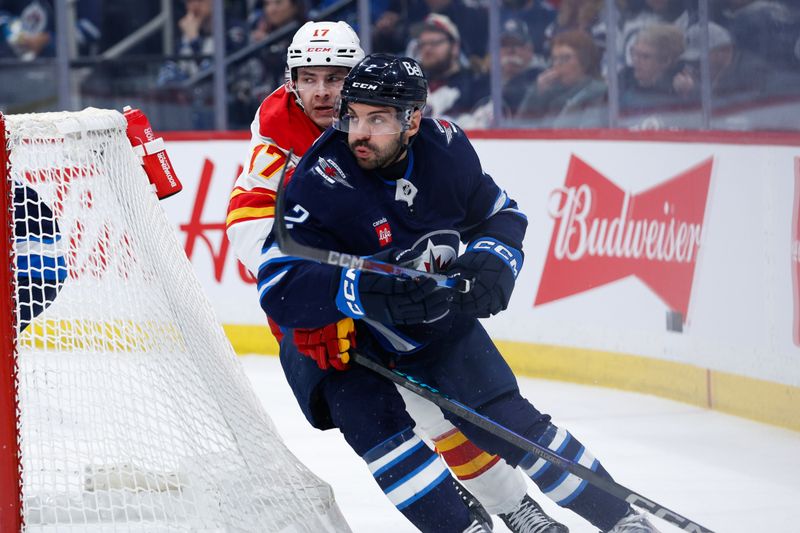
x,y
122,404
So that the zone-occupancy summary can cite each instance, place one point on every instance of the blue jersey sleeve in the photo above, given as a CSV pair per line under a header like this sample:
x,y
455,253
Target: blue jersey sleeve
x,y
490,212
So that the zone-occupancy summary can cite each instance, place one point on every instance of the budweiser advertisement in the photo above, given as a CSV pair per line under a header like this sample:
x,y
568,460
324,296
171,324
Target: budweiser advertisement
x,y
602,234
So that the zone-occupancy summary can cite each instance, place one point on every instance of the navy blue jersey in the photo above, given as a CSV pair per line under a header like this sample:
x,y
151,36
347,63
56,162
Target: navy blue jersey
x,y
331,203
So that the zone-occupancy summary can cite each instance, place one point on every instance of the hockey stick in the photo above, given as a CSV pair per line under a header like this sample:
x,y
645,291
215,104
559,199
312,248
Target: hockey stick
x,y
291,247
470,415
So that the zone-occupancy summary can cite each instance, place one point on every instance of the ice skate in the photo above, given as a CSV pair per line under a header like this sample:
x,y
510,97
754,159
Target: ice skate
x,y
477,511
530,518
634,522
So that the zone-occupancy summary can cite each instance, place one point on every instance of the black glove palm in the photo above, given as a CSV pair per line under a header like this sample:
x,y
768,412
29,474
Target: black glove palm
x,y
492,284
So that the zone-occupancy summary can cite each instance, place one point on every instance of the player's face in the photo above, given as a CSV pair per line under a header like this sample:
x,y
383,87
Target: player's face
x,y
373,134
318,88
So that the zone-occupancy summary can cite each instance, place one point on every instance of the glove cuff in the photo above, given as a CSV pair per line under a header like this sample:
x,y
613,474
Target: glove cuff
x,y
508,254
348,300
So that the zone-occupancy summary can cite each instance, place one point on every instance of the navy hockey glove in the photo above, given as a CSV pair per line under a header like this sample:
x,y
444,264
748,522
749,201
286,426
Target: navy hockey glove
x,y
492,267
391,299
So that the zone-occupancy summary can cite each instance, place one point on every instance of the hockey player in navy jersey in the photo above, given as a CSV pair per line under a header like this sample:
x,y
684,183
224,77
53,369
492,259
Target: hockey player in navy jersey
x,y
387,183
290,119
40,267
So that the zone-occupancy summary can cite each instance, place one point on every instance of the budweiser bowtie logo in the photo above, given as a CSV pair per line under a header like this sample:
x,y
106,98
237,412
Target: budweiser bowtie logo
x,y
603,234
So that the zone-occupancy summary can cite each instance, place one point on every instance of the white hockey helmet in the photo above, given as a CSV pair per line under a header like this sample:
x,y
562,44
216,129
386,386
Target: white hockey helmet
x,y
325,43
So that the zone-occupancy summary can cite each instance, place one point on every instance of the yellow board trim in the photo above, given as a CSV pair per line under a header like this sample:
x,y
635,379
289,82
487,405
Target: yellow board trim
x,y
763,401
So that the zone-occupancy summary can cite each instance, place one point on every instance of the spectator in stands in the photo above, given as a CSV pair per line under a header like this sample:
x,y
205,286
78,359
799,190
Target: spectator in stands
x,y
767,28
27,28
735,74
583,15
196,41
640,14
570,94
453,89
267,70
656,57
538,15
403,18
274,15
518,63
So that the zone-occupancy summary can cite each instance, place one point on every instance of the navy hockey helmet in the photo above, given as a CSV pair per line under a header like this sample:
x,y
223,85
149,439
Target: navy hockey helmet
x,y
383,80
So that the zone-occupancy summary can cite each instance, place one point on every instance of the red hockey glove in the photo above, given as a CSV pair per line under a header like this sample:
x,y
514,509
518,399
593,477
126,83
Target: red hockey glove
x,y
328,345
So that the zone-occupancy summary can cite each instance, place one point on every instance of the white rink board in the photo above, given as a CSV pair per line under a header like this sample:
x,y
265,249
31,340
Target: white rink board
x,y
740,308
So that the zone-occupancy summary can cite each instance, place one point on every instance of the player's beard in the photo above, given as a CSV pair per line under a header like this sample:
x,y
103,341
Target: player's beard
x,y
379,158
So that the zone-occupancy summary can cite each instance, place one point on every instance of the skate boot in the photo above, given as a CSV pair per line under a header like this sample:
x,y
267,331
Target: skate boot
x,y
530,518
478,526
634,522
477,511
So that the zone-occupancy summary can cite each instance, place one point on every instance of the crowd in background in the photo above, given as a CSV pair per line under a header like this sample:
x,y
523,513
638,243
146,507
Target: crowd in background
x,y
554,63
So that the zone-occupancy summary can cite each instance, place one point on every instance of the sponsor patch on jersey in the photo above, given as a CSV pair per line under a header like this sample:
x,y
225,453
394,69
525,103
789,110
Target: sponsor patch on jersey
x,y
331,173
383,231
446,128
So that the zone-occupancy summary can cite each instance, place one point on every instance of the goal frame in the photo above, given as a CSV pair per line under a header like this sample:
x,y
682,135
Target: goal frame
x,y
10,473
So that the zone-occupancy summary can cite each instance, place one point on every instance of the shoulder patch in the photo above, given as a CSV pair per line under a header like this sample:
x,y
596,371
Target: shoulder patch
x,y
446,128
331,173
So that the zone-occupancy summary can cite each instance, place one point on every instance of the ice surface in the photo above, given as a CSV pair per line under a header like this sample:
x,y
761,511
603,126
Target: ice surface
x,y
728,474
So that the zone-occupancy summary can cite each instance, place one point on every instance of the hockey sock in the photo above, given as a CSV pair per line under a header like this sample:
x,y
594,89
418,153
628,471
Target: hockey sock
x,y
416,481
568,490
497,486
465,460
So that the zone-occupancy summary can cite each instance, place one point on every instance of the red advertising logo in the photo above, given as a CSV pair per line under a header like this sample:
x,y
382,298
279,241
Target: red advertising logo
x,y
200,233
796,251
603,234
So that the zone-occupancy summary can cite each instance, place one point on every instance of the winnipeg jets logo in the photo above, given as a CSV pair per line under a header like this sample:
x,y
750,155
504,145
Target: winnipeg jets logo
x,y
331,173
437,257
448,129
405,191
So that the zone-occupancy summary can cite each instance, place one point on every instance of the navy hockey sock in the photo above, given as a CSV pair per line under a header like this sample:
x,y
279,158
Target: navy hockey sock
x,y
417,482
568,490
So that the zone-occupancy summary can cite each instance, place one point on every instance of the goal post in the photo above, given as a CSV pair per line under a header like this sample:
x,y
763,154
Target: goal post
x,y
122,403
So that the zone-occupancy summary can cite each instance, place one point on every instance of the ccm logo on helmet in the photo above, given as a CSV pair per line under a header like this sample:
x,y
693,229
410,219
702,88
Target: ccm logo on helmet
x,y
368,86
317,49
412,69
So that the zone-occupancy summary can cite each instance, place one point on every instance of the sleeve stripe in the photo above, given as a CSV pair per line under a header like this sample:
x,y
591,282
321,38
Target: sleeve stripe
x,y
268,283
246,213
256,190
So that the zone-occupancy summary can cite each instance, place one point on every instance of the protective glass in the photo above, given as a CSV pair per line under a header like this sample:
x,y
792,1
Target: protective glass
x,y
374,121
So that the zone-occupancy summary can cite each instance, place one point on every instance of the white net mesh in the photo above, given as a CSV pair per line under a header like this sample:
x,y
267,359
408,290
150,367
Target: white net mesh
x,y
134,412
